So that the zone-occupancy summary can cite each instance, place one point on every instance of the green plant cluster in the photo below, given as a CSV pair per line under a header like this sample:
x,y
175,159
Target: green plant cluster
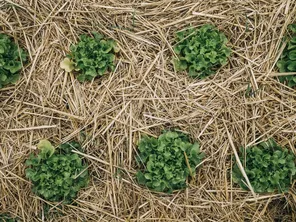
x,y
11,60
268,166
201,51
168,161
93,56
287,61
6,218
57,174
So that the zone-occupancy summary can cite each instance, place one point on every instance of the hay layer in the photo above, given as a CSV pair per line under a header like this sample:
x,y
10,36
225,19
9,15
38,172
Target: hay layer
x,y
144,96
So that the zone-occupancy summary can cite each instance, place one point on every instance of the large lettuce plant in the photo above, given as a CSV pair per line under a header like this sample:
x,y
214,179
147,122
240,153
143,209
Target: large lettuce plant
x,y
287,61
6,218
91,57
57,174
167,161
12,58
201,51
268,166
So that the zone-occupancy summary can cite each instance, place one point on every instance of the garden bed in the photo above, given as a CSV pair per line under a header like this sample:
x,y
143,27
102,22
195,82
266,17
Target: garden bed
x,y
240,105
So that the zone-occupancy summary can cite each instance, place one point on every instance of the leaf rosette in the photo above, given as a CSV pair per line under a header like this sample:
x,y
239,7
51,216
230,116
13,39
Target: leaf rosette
x,y
201,51
11,61
6,218
268,166
57,174
91,57
168,161
287,61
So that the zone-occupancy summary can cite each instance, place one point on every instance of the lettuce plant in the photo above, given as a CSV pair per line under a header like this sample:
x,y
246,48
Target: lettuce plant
x,y
287,61
168,161
57,174
268,166
6,218
200,51
91,57
11,60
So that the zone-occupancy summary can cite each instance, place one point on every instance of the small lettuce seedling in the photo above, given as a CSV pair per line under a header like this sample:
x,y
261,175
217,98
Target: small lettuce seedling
x,y
268,166
287,61
91,57
11,60
168,161
57,174
201,51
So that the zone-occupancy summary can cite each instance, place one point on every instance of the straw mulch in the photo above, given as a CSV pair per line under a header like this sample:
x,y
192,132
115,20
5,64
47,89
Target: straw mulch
x,y
144,96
